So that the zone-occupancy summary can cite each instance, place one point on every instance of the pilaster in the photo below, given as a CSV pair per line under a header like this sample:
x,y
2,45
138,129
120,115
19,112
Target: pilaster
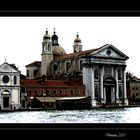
x,y
116,78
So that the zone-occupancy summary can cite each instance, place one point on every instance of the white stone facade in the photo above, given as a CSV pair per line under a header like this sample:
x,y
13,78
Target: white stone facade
x,y
104,76
9,87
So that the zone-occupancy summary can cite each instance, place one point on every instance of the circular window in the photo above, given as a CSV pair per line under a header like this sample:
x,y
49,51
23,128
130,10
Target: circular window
x,y
108,52
5,79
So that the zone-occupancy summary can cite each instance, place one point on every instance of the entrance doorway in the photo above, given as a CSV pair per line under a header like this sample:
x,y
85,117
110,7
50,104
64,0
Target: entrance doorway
x,y
109,90
108,94
6,102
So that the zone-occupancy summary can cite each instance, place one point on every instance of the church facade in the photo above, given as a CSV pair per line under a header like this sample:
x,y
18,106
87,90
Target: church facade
x,y
102,70
104,75
9,87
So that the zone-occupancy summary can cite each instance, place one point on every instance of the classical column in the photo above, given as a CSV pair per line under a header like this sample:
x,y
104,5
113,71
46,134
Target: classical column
x,y
91,77
116,78
86,78
104,97
101,83
124,85
84,75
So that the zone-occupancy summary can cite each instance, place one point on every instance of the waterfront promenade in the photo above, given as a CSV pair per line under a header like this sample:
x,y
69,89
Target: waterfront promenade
x,y
97,107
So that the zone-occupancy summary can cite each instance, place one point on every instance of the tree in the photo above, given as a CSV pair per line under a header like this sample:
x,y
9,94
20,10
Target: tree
x,y
129,75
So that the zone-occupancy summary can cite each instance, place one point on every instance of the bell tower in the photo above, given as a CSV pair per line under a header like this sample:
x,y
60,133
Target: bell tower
x,y
47,55
55,39
77,47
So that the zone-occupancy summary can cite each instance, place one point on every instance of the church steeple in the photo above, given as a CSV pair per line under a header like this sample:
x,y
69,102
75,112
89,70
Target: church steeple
x,y
47,55
55,39
46,44
46,36
77,47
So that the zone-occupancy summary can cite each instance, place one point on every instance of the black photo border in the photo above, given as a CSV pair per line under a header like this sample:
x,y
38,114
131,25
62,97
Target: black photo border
x,y
111,130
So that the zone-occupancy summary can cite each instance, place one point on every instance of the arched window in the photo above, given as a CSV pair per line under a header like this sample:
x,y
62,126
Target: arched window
x,y
15,80
96,73
120,92
35,72
119,74
49,48
81,65
55,67
27,73
60,91
68,65
96,91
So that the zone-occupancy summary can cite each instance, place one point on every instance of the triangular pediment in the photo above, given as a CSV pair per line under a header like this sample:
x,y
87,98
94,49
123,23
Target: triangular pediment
x,y
5,67
109,51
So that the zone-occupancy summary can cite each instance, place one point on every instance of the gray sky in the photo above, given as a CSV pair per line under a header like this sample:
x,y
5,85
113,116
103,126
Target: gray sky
x,y
21,37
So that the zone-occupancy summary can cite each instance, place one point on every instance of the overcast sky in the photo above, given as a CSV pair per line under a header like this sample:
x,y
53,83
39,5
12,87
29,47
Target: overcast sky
x,y
21,37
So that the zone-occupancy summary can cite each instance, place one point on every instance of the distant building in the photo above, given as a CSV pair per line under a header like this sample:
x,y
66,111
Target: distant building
x,y
133,91
9,87
102,70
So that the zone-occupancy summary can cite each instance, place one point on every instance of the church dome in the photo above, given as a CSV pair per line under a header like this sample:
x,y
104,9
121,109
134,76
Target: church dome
x,y
58,50
46,36
77,39
54,36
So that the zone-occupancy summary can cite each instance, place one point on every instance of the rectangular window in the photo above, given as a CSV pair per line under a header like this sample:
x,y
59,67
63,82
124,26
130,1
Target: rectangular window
x,y
35,72
27,73
68,65
15,80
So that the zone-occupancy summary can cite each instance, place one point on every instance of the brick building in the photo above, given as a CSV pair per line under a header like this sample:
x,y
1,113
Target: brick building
x,y
51,93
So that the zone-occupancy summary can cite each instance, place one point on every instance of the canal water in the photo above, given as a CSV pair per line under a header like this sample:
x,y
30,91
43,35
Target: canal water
x,y
109,115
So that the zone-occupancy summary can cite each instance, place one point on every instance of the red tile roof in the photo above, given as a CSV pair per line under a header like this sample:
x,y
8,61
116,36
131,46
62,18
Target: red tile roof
x,y
49,83
35,63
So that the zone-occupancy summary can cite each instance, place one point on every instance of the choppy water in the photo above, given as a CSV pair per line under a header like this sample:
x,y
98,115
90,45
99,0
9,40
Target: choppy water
x,y
117,115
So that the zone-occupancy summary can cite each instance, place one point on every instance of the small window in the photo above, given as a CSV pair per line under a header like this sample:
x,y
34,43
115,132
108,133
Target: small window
x,y
78,91
137,94
66,91
15,80
49,48
108,52
54,91
81,65
71,91
43,91
55,67
60,91
96,73
119,74
27,73
68,65
35,72
120,91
